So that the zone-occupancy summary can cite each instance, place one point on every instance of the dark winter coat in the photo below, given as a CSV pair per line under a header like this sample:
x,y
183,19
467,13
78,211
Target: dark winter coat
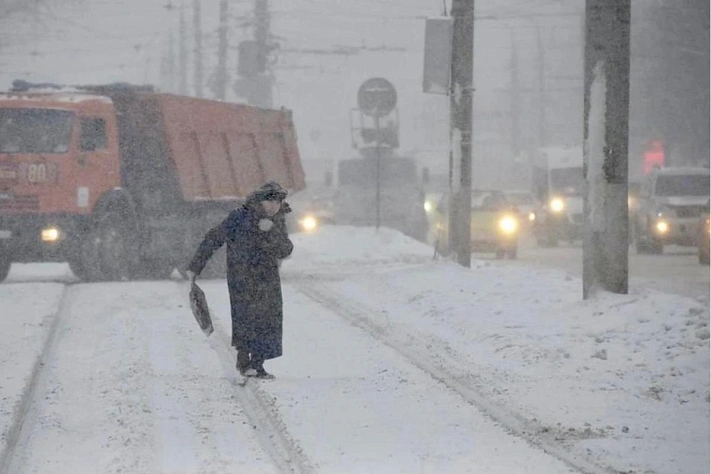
x,y
252,276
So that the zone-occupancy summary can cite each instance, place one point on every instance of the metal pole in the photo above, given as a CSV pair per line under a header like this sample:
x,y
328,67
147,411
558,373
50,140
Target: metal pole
x,y
515,101
541,89
377,174
221,75
182,56
606,124
197,26
462,78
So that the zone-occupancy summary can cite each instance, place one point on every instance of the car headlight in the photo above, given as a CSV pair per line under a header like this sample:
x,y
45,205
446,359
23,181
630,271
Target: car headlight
x,y
662,227
557,205
508,225
428,206
308,223
531,216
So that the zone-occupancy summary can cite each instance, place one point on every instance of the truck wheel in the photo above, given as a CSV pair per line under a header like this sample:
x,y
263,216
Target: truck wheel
x,y
703,256
108,255
5,265
500,254
513,253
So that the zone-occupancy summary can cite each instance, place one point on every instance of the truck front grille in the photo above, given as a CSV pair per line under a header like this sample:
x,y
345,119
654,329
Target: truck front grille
x,y
20,203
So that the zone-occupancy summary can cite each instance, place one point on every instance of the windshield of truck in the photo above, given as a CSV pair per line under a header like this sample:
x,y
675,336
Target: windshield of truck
x,y
363,172
567,181
682,185
35,130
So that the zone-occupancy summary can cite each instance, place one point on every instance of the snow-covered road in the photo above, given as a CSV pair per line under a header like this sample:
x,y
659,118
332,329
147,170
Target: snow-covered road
x,y
393,363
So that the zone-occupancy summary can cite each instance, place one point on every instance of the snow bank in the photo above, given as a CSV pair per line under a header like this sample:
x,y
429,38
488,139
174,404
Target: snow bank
x,y
349,246
621,378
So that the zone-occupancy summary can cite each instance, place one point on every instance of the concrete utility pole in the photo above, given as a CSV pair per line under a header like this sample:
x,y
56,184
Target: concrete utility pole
x,y
461,105
197,26
221,73
606,122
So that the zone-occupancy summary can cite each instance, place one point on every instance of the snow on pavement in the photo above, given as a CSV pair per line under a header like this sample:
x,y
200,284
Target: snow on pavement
x,y
132,387
623,379
26,316
132,384
357,406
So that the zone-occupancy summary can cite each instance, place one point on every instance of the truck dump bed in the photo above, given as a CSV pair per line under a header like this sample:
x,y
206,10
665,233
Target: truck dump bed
x,y
219,150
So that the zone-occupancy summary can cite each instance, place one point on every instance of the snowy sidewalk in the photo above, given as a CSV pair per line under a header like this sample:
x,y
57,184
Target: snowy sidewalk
x,y
622,380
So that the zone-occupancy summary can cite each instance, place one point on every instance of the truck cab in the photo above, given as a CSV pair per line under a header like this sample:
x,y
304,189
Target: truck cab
x,y
58,155
559,186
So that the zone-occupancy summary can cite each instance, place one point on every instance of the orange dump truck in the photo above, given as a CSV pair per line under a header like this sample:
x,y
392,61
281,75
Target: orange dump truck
x,y
121,182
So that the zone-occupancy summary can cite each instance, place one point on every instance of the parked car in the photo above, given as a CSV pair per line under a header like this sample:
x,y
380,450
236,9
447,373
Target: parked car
x,y
671,203
495,224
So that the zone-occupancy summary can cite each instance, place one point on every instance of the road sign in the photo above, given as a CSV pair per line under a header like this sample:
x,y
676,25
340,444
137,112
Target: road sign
x,y
377,97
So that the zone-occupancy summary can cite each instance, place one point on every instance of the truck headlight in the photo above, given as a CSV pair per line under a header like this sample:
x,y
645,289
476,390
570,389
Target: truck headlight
x,y
428,207
531,216
308,223
50,234
662,227
508,225
557,205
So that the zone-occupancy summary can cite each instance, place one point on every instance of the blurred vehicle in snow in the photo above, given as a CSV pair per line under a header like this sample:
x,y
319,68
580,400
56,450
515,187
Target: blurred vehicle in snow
x,y
672,201
311,210
402,198
558,184
495,224
526,204
121,181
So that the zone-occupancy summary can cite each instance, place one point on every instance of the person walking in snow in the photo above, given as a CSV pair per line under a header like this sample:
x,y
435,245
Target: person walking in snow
x,y
257,240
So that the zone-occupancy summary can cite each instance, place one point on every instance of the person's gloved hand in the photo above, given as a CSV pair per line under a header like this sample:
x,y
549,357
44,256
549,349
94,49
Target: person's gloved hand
x,y
266,225
191,276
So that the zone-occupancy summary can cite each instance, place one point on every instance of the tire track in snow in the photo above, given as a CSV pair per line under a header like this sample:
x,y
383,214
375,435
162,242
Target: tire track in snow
x,y
24,410
523,428
271,431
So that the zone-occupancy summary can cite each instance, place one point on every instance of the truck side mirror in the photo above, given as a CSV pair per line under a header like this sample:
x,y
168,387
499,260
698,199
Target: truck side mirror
x,y
328,179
